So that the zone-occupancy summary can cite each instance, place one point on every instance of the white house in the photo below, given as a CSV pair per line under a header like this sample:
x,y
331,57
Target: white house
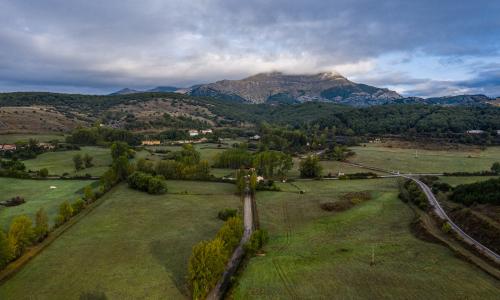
x,y
193,132
475,131
206,131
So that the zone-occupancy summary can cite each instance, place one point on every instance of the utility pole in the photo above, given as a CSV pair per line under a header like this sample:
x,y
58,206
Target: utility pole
x,y
373,256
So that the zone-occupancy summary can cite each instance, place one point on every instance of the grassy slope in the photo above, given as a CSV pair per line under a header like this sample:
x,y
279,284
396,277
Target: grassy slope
x,y
12,138
37,194
427,160
133,246
315,254
62,161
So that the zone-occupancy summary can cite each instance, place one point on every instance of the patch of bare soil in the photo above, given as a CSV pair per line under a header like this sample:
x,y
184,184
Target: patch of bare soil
x,y
346,201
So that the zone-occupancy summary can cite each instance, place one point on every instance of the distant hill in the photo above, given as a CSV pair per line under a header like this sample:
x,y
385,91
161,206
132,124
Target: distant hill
x,y
158,89
279,87
125,91
459,100
163,89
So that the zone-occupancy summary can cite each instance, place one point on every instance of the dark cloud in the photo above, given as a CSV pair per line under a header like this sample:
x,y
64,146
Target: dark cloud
x,y
103,45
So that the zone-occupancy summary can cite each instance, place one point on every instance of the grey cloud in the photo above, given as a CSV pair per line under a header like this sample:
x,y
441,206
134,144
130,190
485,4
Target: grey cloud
x,y
110,44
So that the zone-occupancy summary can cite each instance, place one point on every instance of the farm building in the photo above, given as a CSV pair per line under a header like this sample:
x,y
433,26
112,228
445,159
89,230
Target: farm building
x,y
151,142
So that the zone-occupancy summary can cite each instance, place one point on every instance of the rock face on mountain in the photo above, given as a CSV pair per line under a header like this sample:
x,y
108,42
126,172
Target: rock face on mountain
x,y
279,87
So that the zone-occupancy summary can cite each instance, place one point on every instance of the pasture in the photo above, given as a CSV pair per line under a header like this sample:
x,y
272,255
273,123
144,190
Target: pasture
x,y
61,162
456,180
37,194
425,161
317,254
133,246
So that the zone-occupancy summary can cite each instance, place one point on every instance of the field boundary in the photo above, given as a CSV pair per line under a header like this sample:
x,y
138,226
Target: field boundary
x,y
15,266
234,262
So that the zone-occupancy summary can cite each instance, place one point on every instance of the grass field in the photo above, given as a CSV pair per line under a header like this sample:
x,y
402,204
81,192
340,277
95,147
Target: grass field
x,y
37,194
61,162
456,180
433,161
24,137
326,255
133,246
333,167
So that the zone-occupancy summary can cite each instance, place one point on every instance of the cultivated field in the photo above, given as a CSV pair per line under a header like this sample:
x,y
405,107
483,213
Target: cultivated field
x,y
133,246
37,194
61,162
317,254
433,161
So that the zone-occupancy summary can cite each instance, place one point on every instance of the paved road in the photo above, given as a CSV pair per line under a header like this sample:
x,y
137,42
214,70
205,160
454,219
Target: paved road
x,y
441,213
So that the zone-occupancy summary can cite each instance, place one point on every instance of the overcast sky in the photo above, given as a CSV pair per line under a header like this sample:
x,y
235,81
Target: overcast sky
x,y
423,48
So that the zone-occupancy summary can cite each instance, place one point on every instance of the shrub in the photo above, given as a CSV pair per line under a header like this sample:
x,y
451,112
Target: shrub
x,y
227,213
258,239
446,227
43,172
78,206
88,194
78,162
87,160
147,183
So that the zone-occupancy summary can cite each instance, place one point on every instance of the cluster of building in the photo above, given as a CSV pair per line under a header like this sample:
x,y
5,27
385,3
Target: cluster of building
x,y
194,132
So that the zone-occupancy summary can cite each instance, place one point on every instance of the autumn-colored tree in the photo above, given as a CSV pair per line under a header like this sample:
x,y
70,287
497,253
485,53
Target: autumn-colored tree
x,y
20,235
41,224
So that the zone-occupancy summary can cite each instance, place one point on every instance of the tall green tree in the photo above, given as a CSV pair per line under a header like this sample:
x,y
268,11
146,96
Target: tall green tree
x,y
5,250
310,167
119,149
20,234
78,162
41,224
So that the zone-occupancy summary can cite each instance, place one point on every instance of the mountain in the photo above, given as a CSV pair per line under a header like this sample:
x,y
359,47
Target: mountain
x,y
163,89
158,89
125,91
279,87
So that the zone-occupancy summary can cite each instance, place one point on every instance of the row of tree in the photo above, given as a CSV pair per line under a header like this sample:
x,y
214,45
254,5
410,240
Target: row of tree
x,y
208,258
22,234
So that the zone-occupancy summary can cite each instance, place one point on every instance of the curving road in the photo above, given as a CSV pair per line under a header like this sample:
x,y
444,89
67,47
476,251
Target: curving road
x,y
441,213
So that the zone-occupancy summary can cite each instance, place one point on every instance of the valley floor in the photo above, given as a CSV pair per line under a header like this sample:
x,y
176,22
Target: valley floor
x,y
133,246
314,254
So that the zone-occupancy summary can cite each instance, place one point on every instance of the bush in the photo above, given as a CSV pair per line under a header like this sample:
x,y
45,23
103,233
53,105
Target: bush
x,y
147,183
446,227
43,172
78,206
258,239
227,213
